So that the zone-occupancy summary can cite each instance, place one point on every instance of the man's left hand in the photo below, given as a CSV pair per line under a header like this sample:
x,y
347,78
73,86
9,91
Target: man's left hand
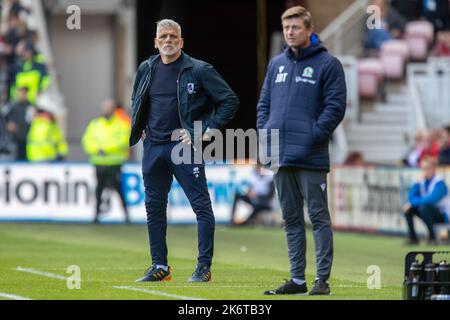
x,y
185,137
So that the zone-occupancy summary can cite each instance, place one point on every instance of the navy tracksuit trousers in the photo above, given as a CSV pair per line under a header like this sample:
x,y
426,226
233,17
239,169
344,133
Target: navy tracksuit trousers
x,y
158,171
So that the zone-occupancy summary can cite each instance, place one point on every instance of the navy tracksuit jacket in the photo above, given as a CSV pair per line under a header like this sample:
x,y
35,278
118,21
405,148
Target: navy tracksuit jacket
x,y
202,95
305,99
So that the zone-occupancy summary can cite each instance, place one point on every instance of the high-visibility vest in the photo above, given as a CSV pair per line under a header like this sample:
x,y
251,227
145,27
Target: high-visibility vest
x,y
45,141
105,141
122,115
32,75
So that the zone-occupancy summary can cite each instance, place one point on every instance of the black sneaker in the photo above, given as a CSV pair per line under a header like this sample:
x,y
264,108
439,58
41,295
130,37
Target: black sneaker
x,y
290,287
154,274
201,274
321,288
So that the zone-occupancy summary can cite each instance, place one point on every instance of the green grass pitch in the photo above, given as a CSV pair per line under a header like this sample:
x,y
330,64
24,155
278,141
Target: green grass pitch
x,y
247,262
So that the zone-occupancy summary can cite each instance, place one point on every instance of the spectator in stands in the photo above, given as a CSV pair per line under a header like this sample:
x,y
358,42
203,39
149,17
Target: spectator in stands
x,y
31,74
392,26
438,13
355,158
46,142
374,38
428,200
431,146
444,147
4,71
16,8
410,9
442,46
395,21
413,156
17,31
33,38
5,138
259,196
18,119
105,141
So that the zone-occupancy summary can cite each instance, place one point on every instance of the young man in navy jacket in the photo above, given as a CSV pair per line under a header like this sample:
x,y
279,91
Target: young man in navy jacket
x,y
304,97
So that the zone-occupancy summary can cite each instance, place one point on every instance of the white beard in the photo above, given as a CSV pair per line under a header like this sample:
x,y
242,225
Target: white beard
x,y
168,52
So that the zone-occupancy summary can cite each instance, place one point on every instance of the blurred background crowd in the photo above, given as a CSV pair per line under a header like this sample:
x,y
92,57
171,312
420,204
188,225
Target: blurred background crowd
x,y
55,81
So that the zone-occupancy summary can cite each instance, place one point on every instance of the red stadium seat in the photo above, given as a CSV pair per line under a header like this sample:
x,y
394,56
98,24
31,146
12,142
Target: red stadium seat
x,y
420,28
394,54
419,35
419,47
370,73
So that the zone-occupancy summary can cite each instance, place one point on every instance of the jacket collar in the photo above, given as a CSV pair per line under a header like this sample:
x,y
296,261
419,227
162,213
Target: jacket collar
x,y
315,47
187,60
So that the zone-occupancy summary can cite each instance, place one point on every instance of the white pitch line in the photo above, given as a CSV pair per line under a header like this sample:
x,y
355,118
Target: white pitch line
x,y
347,286
157,293
41,273
13,296
214,286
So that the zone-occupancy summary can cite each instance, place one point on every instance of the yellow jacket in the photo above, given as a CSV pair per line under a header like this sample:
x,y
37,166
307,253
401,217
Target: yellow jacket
x,y
106,141
45,141
32,75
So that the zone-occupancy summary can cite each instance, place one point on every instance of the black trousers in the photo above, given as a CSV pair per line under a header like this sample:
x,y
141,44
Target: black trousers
x,y
109,177
158,170
428,214
21,151
257,208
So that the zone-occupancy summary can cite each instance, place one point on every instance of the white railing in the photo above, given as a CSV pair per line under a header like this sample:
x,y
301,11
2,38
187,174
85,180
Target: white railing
x,y
417,116
429,85
344,35
350,65
340,148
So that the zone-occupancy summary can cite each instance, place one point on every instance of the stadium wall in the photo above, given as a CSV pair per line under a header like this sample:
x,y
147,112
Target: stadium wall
x,y
369,199
66,193
366,199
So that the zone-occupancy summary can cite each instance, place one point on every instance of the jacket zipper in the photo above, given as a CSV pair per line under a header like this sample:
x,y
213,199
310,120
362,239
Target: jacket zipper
x,y
143,87
178,97
178,91
146,80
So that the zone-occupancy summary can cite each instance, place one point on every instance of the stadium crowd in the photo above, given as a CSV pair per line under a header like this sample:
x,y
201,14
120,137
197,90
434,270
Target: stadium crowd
x,y
433,143
407,31
395,15
28,127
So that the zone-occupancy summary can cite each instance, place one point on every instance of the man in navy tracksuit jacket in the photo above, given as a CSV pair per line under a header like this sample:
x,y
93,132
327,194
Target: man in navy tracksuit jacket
x,y
304,97
171,92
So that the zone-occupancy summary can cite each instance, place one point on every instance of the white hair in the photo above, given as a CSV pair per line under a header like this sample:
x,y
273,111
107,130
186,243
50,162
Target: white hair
x,y
168,23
